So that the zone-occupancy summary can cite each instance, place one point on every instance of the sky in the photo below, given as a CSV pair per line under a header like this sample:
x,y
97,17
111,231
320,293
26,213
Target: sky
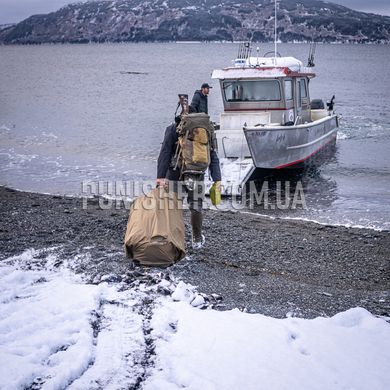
x,y
13,11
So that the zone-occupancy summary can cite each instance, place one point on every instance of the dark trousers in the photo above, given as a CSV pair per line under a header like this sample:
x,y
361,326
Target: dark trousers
x,y
193,187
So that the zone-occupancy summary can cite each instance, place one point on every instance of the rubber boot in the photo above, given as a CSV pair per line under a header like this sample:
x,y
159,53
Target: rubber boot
x,y
196,223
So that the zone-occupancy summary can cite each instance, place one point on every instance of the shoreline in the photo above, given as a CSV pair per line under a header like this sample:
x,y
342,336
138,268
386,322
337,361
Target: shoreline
x,y
299,219
270,266
95,198
190,43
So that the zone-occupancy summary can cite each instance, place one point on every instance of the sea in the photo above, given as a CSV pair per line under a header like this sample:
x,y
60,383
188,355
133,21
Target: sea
x,y
71,114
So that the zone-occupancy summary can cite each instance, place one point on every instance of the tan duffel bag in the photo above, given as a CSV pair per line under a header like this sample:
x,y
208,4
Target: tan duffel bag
x,y
155,229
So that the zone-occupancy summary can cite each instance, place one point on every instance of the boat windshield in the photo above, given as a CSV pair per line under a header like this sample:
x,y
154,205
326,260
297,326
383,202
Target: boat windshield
x,y
251,91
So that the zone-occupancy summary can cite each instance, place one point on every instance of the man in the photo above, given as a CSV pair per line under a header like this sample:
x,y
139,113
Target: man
x,y
199,101
167,171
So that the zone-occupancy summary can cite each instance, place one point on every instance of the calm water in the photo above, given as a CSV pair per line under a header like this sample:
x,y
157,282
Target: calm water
x,y
71,113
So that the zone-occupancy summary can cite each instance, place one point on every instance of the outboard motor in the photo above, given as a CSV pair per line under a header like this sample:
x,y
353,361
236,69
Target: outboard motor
x,y
317,110
317,104
330,104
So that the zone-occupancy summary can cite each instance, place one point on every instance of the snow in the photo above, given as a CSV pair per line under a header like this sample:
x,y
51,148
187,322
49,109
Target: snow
x,y
262,67
247,73
48,326
58,332
183,292
230,350
288,62
32,304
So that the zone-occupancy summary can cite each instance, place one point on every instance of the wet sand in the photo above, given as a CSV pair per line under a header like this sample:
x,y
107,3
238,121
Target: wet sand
x,y
274,267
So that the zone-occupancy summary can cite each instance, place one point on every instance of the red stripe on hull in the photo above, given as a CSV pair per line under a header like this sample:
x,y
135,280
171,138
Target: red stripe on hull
x,y
305,158
259,109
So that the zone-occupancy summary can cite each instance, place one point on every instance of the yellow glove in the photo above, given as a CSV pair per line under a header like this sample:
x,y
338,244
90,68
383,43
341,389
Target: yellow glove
x,y
215,193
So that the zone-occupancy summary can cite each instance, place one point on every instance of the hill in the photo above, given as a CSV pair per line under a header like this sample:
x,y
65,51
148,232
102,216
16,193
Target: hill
x,y
208,20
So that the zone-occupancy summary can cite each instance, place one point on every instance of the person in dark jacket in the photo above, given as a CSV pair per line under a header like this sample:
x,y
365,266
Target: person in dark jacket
x,y
168,172
199,100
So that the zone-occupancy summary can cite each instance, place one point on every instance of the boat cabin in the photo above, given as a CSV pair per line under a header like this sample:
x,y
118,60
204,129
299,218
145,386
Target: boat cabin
x,y
276,87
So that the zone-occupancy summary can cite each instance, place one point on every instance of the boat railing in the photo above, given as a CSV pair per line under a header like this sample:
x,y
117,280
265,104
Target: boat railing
x,y
297,120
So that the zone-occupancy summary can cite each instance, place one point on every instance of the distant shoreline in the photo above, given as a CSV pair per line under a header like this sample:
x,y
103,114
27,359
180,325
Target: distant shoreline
x,y
190,43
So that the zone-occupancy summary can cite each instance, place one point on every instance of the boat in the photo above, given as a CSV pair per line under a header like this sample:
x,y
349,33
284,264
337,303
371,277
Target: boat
x,y
268,121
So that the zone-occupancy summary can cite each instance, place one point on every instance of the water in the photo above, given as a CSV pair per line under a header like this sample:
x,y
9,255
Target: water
x,y
70,113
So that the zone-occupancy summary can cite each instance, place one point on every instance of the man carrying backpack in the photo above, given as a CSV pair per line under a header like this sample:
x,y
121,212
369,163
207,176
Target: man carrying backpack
x,y
199,101
188,150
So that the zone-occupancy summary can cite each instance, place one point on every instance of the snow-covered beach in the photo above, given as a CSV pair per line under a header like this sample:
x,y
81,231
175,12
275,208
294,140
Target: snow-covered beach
x,y
58,332
312,304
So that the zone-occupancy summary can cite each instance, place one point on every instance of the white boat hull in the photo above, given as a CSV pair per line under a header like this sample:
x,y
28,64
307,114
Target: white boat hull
x,y
277,147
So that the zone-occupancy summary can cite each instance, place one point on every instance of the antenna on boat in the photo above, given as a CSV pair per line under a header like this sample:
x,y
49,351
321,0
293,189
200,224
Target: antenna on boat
x,y
276,31
312,51
248,50
241,51
245,50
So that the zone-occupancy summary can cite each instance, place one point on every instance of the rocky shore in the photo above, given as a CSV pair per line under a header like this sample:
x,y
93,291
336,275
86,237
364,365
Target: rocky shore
x,y
274,267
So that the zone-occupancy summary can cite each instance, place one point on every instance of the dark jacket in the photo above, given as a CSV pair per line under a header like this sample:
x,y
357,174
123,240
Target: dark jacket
x,y
199,103
166,163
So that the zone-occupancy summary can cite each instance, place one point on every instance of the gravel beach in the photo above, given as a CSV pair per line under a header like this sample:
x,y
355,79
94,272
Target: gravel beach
x,y
274,267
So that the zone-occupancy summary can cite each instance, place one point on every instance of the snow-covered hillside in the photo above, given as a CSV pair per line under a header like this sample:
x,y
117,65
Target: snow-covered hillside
x,y
208,20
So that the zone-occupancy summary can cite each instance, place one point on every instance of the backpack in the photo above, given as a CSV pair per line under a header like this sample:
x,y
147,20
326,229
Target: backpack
x,y
196,140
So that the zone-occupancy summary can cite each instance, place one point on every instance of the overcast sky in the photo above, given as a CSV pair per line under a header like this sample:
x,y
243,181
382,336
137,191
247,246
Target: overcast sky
x,y
12,11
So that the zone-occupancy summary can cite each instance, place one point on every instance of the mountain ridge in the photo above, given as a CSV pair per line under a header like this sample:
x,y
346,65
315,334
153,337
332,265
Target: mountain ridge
x,y
208,20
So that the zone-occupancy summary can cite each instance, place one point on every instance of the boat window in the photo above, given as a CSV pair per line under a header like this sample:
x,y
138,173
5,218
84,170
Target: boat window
x,y
303,89
251,91
288,91
299,100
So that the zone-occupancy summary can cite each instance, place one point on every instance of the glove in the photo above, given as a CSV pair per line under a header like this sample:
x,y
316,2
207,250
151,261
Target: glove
x,y
215,193
161,182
